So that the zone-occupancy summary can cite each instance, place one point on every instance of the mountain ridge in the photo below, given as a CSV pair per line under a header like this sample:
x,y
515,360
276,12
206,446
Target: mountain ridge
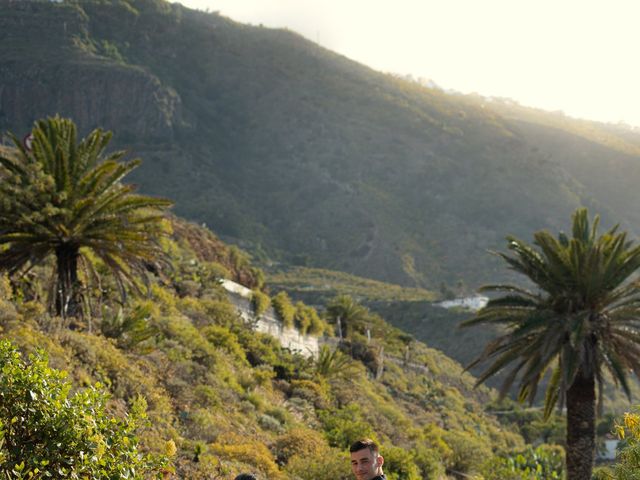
x,y
299,153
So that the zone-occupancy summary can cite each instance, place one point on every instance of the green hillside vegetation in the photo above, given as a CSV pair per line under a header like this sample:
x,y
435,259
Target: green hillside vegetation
x,y
301,154
233,400
219,397
414,312
315,285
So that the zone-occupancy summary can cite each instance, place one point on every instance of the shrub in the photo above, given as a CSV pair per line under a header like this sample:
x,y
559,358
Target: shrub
x,y
310,391
255,454
302,317
225,339
333,464
202,424
299,441
628,459
269,423
546,462
400,464
429,462
284,308
260,348
132,327
221,312
346,425
469,451
260,302
48,433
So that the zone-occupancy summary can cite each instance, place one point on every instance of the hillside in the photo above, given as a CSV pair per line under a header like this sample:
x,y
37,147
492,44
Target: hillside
x,y
414,312
233,400
301,155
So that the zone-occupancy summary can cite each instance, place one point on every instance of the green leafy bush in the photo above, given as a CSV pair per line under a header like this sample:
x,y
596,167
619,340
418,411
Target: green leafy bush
x,y
333,464
546,462
225,339
48,433
255,454
260,302
284,308
303,442
469,451
346,425
400,464
429,462
627,463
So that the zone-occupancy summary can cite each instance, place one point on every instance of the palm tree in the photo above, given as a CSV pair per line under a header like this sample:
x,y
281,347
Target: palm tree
x,y
333,363
581,320
66,199
346,312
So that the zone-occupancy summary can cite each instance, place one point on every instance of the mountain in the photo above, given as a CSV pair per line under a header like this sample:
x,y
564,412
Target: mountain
x,y
303,156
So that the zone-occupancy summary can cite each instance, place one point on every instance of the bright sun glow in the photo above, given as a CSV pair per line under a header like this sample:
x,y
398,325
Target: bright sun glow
x,y
580,57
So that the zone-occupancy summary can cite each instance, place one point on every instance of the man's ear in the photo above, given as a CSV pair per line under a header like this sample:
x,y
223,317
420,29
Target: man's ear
x,y
380,460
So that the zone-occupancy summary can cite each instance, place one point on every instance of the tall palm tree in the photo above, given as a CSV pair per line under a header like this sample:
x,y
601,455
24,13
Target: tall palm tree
x,y
64,198
581,320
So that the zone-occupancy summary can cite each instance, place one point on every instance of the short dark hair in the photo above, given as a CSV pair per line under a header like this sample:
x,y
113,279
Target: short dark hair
x,y
364,443
245,476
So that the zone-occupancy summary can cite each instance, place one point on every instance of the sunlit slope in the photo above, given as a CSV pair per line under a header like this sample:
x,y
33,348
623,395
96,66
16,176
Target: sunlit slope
x,y
232,399
293,150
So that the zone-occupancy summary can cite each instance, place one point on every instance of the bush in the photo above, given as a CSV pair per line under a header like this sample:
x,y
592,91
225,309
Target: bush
x,y
299,441
310,391
400,464
48,433
225,339
545,462
253,454
284,308
429,462
469,451
302,317
333,464
628,459
344,426
260,348
260,302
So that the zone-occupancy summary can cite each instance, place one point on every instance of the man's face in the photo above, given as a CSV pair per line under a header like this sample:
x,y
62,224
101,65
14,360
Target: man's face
x,y
365,464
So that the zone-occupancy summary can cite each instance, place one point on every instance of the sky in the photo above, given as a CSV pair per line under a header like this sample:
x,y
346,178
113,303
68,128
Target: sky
x,y
579,57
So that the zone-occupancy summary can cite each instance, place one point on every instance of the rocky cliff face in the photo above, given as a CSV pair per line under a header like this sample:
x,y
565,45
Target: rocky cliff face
x,y
92,89
129,101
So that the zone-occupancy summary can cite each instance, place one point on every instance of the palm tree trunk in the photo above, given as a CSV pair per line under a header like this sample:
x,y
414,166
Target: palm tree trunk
x,y
67,294
581,441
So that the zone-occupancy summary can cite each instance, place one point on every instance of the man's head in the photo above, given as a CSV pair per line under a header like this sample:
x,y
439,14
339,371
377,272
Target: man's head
x,y
366,461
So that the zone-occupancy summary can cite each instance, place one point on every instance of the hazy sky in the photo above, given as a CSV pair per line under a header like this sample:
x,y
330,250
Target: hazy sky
x,y
581,57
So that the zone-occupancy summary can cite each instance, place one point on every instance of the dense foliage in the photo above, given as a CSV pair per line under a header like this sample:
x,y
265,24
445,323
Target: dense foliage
x,y
234,400
47,432
628,459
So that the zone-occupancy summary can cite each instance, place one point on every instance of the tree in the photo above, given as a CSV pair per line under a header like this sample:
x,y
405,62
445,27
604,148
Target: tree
x,y
64,198
45,432
582,319
348,312
333,363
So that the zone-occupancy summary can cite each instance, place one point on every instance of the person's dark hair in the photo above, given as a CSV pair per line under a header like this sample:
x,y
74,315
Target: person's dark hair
x,y
245,476
365,443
